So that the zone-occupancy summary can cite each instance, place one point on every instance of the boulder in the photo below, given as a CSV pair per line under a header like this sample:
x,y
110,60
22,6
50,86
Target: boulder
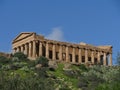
x,y
67,66
52,65
38,66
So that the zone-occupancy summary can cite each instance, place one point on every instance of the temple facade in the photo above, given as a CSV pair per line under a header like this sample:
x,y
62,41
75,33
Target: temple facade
x,y
34,46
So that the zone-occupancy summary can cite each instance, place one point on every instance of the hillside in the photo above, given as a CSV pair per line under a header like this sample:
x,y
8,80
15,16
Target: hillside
x,y
20,73
5,54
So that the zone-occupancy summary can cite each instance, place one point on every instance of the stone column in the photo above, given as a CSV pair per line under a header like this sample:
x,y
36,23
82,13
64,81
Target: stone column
x,y
26,49
73,55
30,49
34,49
86,56
18,49
110,64
47,50
104,59
40,49
67,55
22,49
13,51
98,57
54,54
79,55
92,57
60,52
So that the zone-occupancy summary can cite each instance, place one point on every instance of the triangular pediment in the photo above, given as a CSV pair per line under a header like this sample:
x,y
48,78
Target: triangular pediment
x,y
22,36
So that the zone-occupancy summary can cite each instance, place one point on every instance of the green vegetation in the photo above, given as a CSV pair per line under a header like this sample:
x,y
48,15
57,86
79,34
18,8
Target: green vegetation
x,y
20,73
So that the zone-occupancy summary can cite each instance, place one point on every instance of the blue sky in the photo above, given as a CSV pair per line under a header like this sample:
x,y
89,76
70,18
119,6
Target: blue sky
x,y
95,22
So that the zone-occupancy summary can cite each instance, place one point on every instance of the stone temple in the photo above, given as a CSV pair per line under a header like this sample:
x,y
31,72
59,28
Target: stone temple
x,y
34,46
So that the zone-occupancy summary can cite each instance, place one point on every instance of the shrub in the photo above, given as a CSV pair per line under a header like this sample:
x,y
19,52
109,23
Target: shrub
x,y
5,67
43,61
72,73
42,72
20,56
31,63
0,66
83,67
25,68
3,60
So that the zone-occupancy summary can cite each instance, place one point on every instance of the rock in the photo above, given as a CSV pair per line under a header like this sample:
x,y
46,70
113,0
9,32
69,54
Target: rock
x,y
38,66
52,65
67,66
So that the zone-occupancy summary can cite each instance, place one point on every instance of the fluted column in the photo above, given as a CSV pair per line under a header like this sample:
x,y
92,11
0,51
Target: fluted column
x,y
22,49
34,49
30,49
92,57
104,59
86,56
73,55
13,51
54,55
60,52
18,49
67,55
47,50
110,64
40,49
26,49
80,57
98,57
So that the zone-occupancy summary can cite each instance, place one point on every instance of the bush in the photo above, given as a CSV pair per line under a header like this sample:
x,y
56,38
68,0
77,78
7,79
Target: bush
x,y
20,56
43,61
83,67
0,66
42,72
15,82
5,67
4,60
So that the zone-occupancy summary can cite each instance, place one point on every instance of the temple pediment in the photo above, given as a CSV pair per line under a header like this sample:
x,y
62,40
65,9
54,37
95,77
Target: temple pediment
x,y
23,35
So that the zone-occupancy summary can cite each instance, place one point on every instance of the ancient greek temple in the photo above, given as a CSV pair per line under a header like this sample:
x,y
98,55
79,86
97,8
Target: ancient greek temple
x,y
34,46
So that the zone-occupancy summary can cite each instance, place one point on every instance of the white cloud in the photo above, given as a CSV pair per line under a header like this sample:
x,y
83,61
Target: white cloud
x,y
56,34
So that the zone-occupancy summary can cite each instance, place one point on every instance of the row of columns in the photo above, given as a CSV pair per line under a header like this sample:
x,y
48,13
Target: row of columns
x,y
30,50
79,55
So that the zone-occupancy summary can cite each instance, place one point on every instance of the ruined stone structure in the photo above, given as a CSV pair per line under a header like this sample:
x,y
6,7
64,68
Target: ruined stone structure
x,y
34,45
